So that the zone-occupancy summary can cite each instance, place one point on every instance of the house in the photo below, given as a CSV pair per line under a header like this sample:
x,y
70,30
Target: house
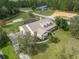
x,y
42,8
41,28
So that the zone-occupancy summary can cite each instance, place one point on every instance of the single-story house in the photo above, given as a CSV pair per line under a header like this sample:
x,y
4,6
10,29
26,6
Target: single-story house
x,y
41,28
42,8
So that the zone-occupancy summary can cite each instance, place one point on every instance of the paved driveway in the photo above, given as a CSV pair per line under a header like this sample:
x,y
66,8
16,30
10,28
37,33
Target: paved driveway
x,y
24,56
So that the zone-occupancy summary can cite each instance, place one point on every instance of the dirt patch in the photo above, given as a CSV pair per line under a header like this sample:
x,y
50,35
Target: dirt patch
x,y
64,14
2,22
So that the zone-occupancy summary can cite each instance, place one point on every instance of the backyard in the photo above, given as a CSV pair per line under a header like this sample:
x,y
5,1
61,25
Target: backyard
x,y
66,41
53,49
13,28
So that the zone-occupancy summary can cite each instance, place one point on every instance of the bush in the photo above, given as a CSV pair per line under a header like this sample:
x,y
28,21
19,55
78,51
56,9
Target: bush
x,y
74,27
62,23
53,39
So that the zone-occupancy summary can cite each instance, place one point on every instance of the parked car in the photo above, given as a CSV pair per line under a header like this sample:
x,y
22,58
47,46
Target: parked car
x,y
42,8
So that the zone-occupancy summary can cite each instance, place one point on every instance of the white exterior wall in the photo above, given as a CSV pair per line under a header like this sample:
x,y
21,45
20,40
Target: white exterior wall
x,y
32,33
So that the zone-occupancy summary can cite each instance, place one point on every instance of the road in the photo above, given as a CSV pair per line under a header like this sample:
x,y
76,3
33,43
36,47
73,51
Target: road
x,y
49,17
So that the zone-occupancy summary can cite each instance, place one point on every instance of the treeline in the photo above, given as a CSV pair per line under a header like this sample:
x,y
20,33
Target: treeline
x,y
67,5
9,7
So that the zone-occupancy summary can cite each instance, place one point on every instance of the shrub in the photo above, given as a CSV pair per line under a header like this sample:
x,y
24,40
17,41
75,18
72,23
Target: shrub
x,y
62,23
3,37
53,39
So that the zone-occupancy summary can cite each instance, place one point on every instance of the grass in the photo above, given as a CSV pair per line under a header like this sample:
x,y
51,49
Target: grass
x,y
66,40
22,15
13,28
46,12
9,52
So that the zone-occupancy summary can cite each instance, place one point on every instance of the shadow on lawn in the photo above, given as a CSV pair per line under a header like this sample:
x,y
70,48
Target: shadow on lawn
x,y
40,48
6,57
4,45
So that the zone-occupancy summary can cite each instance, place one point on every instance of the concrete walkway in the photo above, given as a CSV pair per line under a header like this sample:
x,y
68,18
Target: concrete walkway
x,y
49,17
15,21
42,41
24,56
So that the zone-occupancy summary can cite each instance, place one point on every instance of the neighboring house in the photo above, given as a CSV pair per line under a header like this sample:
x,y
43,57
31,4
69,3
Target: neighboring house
x,y
42,8
41,28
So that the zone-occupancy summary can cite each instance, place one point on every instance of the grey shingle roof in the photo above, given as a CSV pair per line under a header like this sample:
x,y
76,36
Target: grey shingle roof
x,y
36,27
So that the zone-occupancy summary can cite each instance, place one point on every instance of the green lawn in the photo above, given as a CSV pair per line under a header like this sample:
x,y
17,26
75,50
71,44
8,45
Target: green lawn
x,y
9,52
21,15
66,40
13,28
46,12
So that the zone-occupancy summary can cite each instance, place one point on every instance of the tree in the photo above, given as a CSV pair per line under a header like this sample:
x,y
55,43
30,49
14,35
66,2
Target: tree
x,y
3,37
27,43
62,23
74,27
7,9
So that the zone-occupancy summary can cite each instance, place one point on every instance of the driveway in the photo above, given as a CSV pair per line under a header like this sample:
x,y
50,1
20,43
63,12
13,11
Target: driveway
x,y
13,38
16,45
24,56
